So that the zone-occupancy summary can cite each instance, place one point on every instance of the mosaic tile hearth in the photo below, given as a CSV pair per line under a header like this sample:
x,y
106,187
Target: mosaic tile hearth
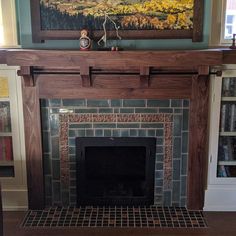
x,y
115,217
65,119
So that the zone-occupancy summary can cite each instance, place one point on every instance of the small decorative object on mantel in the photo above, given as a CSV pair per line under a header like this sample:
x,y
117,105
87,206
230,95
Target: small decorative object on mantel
x,y
233,43
84,41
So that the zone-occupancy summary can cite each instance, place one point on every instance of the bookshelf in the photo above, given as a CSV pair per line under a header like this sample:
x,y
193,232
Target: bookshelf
x,y
12,154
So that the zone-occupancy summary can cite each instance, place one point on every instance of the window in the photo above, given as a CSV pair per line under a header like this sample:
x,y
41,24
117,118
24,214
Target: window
x,y
223,22
8,34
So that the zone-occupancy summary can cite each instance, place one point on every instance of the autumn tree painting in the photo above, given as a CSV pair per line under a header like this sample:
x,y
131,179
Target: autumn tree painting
x,y
127,14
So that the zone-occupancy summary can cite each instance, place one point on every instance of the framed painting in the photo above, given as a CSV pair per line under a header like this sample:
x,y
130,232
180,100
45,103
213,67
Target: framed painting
x,y
134,19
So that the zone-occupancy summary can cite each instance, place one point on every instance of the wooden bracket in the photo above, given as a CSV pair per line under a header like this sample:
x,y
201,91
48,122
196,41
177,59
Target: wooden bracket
x,y
26,73
144,76
85,75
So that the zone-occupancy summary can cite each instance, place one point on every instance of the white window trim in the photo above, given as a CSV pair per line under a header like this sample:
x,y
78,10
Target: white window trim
x,y
8,10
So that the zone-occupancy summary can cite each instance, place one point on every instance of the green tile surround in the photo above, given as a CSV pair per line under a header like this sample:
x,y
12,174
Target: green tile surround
x,y
59,194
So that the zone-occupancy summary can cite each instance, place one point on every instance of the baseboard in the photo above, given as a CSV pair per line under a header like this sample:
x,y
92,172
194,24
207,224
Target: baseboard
x,y
220,199
14,199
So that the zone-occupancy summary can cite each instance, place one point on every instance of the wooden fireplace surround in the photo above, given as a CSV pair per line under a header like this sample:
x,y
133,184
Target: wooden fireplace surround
x,y
124,74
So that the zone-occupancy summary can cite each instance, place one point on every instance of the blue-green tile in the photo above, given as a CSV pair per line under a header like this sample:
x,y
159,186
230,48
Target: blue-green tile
x,y
159,149
183,186
116,102
47,164
146,110
186,103
159,182
178,111
116,110
55,102
176,103
160,141
56,189
151,132
72,133
73,174
104,125
177,148
184,164
158,200
72,150
105,110
159,174
183,202
128,125
176,169
48,185
159,132
158,103
116,133
55,147
151,125
73,102
89,132
107,133
176,191
159,166
126,110
73,166
80,126
99,133
185,119
46,138
72,142
142,132
54,110
184,142
134,103
177,125
72,158
134,132
54,124
98,103
44,103
81,133
65,198
158,190
166,110
124,133
159,157
56,169
86,110
45,119
167,198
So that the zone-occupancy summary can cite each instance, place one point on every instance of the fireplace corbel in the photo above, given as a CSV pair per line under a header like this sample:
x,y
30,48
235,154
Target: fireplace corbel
x,y
126,74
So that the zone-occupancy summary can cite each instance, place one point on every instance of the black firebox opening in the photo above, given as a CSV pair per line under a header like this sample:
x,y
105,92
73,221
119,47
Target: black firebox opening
x,y
115,171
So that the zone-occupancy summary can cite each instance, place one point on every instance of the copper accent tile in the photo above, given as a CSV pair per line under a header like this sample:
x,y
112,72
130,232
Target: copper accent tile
x,y
104,117
152,117
128,118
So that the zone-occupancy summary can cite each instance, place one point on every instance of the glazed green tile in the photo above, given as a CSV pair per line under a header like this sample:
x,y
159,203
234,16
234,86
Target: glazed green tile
x,y
185,119
116,110
65,198
73,166
72,133
116,102
55,102
184,164
46,138
159,141
158,103
116,133
176,103
44,103
45,118
133,132
89,132
54,110
159,132
55,147
128,125
151,133
177,148
158,200
159,182
107,133
178,111
183,202
98,103
126,110
56,169
146,110
167,198
166,110
183,189
73,174
47,164
134,103
184,142
80,126
99,133
73,102
72,150
159,149
86,110
56,189
159,157
159,174
142,133
177,125
124,133
105,110
48,185
54,124
72,158
151,125
81,133
72,141
176,169
159,166
158,190
186,103
104,125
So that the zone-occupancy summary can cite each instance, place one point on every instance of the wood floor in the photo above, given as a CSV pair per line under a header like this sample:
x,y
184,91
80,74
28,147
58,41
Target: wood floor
x,y
220,224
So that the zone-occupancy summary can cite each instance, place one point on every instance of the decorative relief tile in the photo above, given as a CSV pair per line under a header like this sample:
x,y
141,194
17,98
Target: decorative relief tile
x,y
128,117
152,117
104,118
168,118
168,133
80,118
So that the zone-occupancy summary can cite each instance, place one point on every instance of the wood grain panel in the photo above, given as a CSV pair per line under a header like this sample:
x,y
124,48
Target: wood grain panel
x,y
33,146
198,142
229,56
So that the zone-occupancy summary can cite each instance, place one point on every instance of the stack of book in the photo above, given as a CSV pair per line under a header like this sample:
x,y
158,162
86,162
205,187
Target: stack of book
x,y
228,117
6,153
5,122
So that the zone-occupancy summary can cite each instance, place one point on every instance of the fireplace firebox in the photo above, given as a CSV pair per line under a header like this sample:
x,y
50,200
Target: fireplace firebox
x,y
115,171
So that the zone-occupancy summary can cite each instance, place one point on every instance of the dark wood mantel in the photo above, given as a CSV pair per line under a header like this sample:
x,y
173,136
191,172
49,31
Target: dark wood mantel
x,y
123,74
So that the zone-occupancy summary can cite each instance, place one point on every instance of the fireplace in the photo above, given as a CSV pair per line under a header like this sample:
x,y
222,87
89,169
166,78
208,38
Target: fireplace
x,y
115,171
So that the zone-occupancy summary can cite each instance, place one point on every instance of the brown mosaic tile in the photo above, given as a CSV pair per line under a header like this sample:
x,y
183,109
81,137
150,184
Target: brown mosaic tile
x,y
168,133
152,117
76,118
167,178
167,167
128,118
168,118
63,117
104,117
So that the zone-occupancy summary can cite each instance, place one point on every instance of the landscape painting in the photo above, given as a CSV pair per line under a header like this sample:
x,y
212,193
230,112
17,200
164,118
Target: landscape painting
x,y
127,14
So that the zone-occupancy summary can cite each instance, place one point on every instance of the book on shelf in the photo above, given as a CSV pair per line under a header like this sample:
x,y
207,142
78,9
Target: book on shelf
x,y
226,87
223,117
232,118
228,118
6,153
